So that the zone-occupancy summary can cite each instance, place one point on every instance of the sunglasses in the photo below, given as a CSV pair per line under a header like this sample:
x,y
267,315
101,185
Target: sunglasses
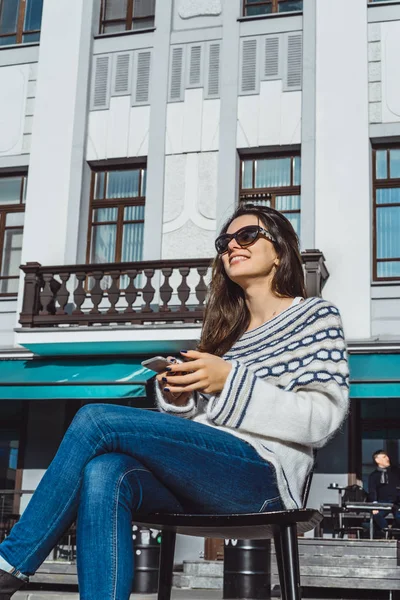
x,y
246,236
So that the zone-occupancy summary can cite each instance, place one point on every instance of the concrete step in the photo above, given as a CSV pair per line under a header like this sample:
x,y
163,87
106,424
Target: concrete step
x,y
208,568
190,582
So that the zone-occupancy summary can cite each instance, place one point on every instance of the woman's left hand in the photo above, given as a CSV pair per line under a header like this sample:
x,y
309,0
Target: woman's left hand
x,y
205,372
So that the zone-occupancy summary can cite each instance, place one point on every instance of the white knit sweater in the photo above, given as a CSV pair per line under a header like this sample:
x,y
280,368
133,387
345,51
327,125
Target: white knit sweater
x,y
286,394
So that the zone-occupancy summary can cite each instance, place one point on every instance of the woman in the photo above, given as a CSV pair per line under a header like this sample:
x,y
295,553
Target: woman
x,y
266,386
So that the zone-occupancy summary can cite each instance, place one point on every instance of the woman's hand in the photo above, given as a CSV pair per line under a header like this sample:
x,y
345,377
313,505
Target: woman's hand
x,y
179,399
204,372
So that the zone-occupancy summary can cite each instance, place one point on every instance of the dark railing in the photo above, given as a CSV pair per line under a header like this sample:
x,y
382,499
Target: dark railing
x,y
10,509
165,291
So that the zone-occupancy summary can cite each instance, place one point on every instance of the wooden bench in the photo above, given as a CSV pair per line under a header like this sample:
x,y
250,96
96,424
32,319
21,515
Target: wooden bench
x,y
348,564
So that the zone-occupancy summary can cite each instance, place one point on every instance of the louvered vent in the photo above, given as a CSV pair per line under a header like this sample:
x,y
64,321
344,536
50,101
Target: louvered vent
x,y
101,82
271,58
294,62
249,67
175,92
195,66
122,74
143,77
213,70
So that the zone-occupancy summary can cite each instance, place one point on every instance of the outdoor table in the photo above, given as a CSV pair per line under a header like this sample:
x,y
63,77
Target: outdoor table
x,y
340,489
369,507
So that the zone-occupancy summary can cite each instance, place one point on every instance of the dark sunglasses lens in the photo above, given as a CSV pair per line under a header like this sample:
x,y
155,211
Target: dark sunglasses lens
x,y
247,236
221,243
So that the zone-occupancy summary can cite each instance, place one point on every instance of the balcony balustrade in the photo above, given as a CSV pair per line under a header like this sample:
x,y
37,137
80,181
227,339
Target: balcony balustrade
x,y
164,291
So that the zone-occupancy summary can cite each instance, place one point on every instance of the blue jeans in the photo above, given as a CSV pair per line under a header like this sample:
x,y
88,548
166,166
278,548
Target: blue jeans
x,y
381,522
116,462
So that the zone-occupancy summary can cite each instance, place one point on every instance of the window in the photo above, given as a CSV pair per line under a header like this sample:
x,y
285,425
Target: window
x,y
379,427
273,181
117,215
12,207
20,21
126,15
386,238
266,7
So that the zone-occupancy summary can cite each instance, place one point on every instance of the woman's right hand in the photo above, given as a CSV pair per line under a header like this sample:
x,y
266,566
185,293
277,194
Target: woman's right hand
x,y
177,399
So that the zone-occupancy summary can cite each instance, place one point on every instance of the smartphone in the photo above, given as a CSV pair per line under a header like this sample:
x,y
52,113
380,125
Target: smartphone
x,y
156,363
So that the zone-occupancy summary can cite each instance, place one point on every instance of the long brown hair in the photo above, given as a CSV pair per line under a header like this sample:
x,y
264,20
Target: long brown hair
x,y
226,315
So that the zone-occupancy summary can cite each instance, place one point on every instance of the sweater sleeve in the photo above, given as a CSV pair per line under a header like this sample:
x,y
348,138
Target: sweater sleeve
x,y
188,411
308,413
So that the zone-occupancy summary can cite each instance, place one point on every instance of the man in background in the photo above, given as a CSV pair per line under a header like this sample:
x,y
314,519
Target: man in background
x,y
384,486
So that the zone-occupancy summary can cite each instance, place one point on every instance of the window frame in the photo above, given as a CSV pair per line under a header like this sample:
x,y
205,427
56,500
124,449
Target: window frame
x,y
129,20
20,31
382,184
274,11
254,194
6,209
119,203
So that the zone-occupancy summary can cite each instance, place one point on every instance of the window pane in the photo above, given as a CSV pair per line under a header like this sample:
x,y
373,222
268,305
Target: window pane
x,y
11,252
15,219
290,6
381,164
30,38
132,242
115,9
388,232
123,184
99,186
9,286
394,164
8,16
247,174
144,8
134,213
143,23
144,181
8,41
296,170
388,196
100,215
265,9
33,15
10,190
388,269
9,438
283,203
272,172
294,218
114,27
103,243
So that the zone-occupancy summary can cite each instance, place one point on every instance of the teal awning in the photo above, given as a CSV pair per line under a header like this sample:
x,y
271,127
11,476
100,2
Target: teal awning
x,y
83,379
374,375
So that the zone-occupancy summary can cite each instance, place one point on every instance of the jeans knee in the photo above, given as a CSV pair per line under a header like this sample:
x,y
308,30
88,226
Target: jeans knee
x,y
105,476
87,417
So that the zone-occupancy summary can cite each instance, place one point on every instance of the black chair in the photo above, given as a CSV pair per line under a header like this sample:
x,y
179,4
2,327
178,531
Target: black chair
x,y
283,526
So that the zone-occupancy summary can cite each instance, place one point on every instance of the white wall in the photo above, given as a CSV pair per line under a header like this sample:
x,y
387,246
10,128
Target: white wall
x,y
120,132
270,118
342,176
390,52
13,99
58,134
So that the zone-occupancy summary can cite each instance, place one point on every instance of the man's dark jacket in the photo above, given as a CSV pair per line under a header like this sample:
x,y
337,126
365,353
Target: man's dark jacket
x,y
384,492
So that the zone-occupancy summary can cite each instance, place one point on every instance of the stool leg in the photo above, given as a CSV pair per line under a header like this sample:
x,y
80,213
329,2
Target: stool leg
x,y
290,559
167,551
279,562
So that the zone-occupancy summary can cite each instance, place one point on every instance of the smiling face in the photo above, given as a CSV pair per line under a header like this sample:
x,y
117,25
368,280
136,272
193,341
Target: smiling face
x,y
243,265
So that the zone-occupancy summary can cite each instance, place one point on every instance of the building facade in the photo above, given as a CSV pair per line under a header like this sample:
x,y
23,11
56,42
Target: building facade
x,y
129,131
